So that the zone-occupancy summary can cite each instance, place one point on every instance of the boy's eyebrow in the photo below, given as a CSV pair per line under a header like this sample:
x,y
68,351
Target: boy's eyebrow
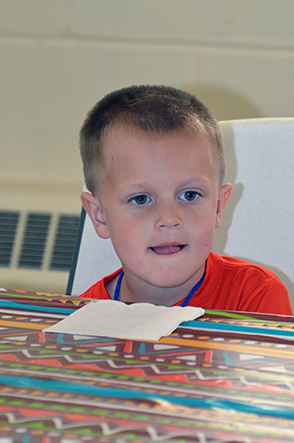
x,y
196,182
190,182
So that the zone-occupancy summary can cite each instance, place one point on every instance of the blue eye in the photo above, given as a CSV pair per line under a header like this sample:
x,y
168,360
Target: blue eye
x,y
140,200
189,196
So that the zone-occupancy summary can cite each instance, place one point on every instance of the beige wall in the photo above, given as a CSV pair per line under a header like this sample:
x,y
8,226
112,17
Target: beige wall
x,y
58,57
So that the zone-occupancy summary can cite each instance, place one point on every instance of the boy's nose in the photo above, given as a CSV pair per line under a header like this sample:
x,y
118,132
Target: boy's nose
x,y
168,217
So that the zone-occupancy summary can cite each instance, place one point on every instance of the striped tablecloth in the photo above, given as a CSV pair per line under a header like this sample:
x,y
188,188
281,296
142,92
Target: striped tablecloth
x,y
227,377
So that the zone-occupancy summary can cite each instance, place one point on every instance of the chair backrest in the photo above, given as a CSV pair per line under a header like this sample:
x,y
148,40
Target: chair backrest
x,y
258,221
93,258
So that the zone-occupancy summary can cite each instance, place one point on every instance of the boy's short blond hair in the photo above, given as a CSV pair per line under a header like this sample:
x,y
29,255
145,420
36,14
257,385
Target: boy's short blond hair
x,y
159,109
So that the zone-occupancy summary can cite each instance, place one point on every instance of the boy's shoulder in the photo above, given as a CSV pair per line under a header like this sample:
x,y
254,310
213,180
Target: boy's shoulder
x,y
98,290
226,271
236,284
237,265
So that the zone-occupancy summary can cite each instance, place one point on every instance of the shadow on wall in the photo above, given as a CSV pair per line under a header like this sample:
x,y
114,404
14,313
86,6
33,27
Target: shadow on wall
x,y
224,104
238,189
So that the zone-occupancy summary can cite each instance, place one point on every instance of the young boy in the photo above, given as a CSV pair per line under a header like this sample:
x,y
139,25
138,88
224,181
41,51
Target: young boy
x,y
153,162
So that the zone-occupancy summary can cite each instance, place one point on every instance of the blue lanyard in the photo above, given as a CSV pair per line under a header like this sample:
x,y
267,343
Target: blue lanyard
x,y
117,287
185,302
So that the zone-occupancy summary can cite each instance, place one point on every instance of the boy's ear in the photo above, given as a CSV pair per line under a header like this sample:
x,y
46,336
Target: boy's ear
x,y
93,208
223,198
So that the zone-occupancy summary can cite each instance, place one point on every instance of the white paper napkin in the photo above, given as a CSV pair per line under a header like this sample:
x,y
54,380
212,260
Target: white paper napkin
x,y
138,321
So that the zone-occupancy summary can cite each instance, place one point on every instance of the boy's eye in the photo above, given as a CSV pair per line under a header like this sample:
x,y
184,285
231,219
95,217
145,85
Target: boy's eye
x,y
141,199
189,196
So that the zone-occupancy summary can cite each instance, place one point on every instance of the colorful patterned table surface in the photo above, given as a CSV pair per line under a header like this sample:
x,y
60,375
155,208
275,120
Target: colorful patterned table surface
x,y
227,377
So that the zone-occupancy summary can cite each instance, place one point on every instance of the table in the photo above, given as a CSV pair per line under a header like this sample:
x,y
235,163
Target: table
x,y
227,377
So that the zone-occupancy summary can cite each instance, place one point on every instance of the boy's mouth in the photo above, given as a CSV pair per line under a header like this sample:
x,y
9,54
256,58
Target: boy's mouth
x,y
167,248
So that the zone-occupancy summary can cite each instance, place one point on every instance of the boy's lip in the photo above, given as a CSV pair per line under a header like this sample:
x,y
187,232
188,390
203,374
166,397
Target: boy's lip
x,y
167,248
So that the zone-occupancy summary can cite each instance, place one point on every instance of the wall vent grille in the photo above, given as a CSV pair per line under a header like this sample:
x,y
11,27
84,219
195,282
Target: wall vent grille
x,y
35,240
8,226
64,242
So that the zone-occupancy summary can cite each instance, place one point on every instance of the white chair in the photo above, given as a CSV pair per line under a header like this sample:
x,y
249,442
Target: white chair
x,y
93,258
258,221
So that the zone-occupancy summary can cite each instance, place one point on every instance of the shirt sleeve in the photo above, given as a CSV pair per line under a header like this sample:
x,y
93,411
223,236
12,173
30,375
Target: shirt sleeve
x,y
262,294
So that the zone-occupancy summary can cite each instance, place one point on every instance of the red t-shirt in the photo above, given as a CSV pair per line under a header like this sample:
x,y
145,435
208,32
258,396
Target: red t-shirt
x,y
230,284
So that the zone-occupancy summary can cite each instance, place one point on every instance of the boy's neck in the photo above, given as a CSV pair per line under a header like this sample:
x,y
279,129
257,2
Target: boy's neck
x,y
137,291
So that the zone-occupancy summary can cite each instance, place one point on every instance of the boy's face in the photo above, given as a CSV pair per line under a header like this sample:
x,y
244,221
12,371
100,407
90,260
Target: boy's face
x,y
160,202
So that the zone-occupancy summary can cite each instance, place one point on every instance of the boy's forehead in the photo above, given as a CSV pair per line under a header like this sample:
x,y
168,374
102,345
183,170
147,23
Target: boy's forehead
x,y
122,141
116,138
